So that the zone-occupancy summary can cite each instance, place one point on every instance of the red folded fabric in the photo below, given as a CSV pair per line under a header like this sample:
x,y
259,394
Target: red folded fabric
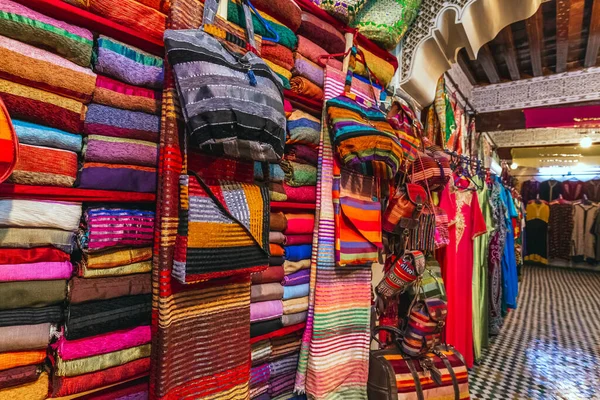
x,y
299,224
278,333
313,52
322,33
278,54
34,255
271,274
301,194
291,240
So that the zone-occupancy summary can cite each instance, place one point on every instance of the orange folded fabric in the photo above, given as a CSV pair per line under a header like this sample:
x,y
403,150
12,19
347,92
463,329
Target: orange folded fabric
x,y
306,88
276,250
13,359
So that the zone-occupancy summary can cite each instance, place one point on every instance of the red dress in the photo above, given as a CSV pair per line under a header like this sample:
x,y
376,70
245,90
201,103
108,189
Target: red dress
x,y
457,264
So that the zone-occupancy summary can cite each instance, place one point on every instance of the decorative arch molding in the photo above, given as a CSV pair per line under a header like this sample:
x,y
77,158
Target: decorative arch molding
x,y
442,28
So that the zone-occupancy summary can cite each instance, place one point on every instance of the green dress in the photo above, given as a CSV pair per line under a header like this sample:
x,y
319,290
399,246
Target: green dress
x,y
480,274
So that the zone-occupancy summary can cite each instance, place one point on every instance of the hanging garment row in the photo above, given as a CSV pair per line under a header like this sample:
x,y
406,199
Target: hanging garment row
x,y
552,189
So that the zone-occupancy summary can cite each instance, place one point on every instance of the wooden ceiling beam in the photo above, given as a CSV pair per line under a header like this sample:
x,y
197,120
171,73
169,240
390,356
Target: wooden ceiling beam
x,y
509,53
463,62
576,11
486,59
593,43
563,15
535,35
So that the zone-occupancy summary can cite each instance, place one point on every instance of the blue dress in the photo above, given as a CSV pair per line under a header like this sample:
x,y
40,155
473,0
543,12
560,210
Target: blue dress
x,y
510,280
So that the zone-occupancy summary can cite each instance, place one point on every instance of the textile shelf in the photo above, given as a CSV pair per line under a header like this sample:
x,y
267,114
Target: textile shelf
x,y
72,194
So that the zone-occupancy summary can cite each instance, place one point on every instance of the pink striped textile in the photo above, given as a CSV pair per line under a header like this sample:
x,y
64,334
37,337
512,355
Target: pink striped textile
x,y
117,227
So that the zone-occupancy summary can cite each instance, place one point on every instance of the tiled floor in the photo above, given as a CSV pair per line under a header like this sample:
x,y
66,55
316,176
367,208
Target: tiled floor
x,y
549,348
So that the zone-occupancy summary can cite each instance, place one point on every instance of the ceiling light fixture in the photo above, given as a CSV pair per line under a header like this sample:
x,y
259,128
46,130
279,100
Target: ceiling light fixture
x,y
585,142
514,165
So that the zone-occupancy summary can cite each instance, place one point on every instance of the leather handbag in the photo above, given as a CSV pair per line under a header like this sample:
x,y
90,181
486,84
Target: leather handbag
x,y
400,273
427,316
9,144
232,104
431,169
362,137
405,207
441,374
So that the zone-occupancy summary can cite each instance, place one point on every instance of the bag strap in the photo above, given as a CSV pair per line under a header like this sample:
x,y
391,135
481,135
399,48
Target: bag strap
x,y
350,75
452,373
224,209
210,12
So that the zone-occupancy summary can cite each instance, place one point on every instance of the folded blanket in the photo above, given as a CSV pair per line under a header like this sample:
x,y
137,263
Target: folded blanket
x,y
100,362
297,174
30,238
109,121
313,52
302,154
271,274
278,54
127,178
32,316
293,306
40,135
266,292
259,390
293,292
294,319
303,128
28,26
161,5
113,93
302,194
282,384
135,268
20,358
64,386
322,33
283,366
132,14
44,70
274,237
286,11
114,150
292,240
34,293
297,278
299,224
18,376
45,166
306,88
265,310
260,352
276,250
98,317
40,271
82,290
25,337
103,344
278,222
276,192
35,390
283,74
287,38
34,255
289,267
117,227
42,107
128,64
285,345
380,68
276,260
308,69
116,257
259,375
276,174
40,214
263,328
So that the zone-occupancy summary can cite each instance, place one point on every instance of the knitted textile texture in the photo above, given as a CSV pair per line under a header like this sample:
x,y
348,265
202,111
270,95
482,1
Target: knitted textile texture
x,y
40,135
113,93
115,150
45,166
109,121
132,14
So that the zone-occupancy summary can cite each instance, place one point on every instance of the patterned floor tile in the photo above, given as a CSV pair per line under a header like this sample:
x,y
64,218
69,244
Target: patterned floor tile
x,y
549,347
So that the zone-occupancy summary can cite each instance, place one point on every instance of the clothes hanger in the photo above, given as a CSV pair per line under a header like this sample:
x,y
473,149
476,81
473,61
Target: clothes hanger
x,y
537,199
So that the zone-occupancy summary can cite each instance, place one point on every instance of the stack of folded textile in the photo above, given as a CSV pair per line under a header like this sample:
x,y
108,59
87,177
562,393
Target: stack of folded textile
x,y
107,335
36,240
274,363
45,82
122,128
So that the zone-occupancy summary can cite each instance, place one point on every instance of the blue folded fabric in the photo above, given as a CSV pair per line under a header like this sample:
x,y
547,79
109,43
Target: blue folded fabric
x,y
298,253
39,135
275,172
293,292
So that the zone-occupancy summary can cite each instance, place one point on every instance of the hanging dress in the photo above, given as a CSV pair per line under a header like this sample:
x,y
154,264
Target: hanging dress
x,y
530,190
560,230
495,253
592,190
538,215
584,245
510,280
572,190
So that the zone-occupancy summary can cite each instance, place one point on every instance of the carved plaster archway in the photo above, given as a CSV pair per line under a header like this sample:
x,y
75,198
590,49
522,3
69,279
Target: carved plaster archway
x,y
443,28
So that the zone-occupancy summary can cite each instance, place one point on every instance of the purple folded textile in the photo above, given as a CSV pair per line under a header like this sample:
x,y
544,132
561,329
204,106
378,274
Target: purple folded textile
x,y
113,150
114,122
40,271
127,178
283,366
308,69
302,153
260,395
266,310
297,278
282,384
260,375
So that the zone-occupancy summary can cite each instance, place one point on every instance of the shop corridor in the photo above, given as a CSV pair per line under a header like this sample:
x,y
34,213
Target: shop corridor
x,y
549,348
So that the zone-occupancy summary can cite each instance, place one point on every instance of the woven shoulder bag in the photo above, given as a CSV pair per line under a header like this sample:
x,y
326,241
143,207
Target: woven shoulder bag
x,y
9,144
232,104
